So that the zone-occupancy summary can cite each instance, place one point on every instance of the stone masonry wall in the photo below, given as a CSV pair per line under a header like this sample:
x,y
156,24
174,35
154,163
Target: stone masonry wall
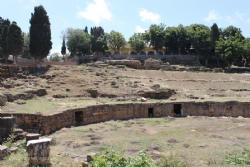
x,y
101,113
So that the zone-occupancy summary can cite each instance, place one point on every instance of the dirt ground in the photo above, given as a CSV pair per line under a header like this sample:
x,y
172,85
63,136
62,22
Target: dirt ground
x,y
120,84
196,141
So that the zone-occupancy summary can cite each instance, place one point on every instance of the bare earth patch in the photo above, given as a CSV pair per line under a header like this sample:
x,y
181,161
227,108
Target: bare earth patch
x,y
73,86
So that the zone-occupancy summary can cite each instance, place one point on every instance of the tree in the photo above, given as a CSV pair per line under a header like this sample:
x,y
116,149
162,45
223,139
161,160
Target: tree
x,y
155,35
55,57
14,41
40,33
214,36
170,40
78,42
230,50
137,42
98,40
4,28
200,39
86,30
182,39
63,49
246,56
232,32
232,47
116,41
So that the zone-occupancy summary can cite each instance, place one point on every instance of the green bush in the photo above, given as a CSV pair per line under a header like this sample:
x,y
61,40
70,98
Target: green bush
x,y
239,159
140,160
109,158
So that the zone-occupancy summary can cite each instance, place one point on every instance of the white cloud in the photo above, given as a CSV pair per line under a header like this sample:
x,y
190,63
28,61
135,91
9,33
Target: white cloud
x,y
149,16
212,16
139,29
96,12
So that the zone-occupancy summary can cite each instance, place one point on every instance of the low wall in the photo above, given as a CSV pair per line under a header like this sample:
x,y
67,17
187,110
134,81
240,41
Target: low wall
x,y
6,127
7,71
101,113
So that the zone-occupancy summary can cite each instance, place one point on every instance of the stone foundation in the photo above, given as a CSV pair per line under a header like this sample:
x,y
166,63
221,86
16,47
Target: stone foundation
x,y
101,113
7,71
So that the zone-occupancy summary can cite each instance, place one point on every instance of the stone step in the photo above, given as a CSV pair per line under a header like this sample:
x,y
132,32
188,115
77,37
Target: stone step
x,y
32,136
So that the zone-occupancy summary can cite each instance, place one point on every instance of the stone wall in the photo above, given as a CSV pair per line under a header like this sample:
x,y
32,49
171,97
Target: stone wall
x,y
101,113
7,71
6,127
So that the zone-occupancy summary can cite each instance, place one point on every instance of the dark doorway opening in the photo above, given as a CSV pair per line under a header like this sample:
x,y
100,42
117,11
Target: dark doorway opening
x,y
151,112
178,110
78,117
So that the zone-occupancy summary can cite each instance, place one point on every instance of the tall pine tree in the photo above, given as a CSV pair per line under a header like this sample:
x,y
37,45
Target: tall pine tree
x,y
63,49
40,33
86,30
214,36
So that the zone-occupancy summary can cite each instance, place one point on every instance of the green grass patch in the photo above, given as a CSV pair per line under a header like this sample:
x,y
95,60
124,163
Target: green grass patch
x,y
242,158
141,159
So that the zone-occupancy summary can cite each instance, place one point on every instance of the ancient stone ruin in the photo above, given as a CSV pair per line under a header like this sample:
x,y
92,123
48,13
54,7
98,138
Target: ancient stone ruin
x,y
38,152
6,127
3,151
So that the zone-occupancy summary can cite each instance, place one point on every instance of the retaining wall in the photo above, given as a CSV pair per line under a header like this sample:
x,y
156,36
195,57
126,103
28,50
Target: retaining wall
x,y
101,113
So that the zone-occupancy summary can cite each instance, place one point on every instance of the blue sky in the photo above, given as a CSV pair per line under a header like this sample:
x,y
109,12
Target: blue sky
x,y
128,16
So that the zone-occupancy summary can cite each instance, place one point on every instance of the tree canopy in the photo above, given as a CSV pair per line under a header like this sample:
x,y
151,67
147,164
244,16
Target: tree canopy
x,y
155,36
137,42
4,28
40,33
78,42
98,40
14,40
116,41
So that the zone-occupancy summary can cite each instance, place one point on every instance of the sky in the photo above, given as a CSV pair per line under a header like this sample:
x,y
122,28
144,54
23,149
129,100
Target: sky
x,y
128,16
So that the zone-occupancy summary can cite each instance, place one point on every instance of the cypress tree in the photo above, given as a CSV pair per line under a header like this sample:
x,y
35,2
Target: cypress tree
x,y
215,35
40,33
4,28
86,30
14,41
63,49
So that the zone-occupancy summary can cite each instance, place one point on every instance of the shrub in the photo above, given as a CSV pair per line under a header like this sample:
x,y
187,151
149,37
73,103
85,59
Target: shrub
x,y
140,160
111,158
239,159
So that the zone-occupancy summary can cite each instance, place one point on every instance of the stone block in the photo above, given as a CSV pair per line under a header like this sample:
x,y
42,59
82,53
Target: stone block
x,y
6,127
90,157
32,136
38,152
3,151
